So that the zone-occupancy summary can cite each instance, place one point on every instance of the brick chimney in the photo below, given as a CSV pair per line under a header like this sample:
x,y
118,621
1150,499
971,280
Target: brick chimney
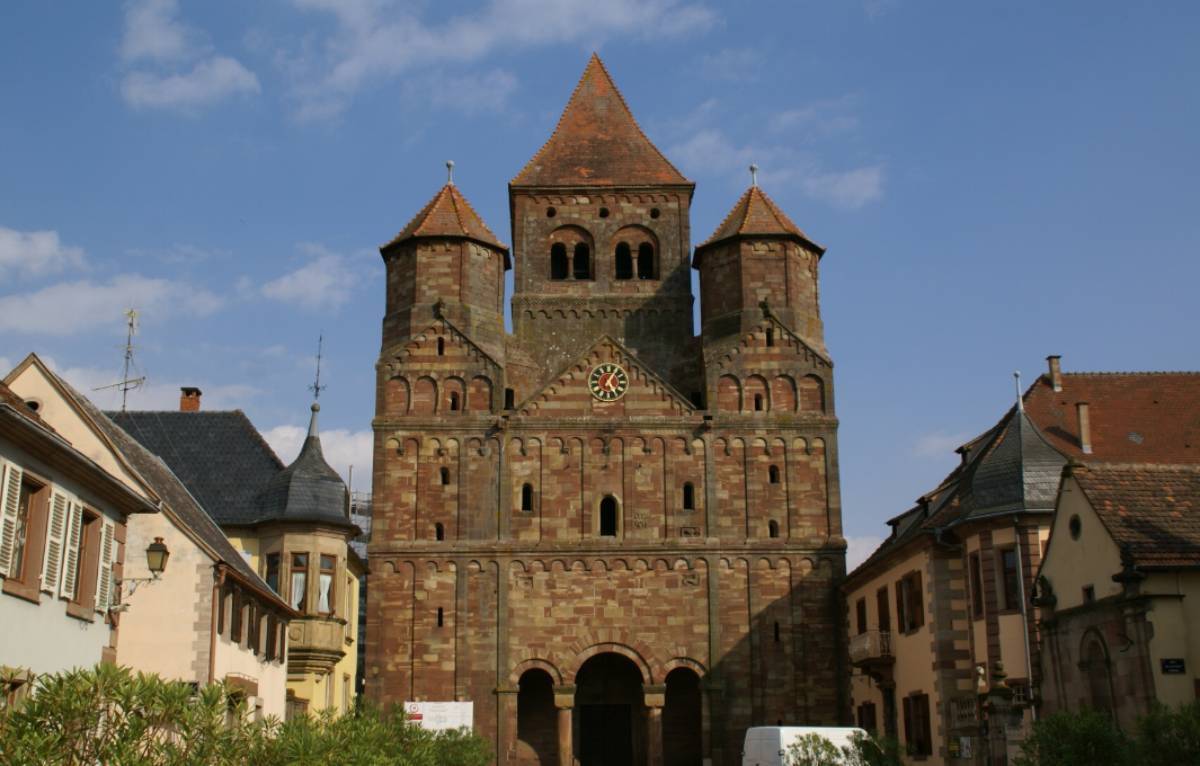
x,y
1055,371
189,399
1085,428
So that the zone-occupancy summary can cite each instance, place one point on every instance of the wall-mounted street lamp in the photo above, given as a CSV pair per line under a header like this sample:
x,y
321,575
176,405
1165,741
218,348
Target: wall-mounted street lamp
x,y
156,561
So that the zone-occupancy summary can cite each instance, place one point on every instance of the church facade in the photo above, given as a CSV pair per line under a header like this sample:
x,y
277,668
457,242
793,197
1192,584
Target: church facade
x,y
619,541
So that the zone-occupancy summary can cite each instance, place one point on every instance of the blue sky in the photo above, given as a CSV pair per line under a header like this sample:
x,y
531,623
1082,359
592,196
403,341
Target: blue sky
x,y
994,182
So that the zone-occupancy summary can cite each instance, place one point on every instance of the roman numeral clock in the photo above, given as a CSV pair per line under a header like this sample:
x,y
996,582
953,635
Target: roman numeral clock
x,y
608,382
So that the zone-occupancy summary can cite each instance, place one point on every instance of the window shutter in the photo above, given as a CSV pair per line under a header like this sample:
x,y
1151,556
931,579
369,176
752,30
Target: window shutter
x,y
71,551
10,498
918,593
104,571
55,533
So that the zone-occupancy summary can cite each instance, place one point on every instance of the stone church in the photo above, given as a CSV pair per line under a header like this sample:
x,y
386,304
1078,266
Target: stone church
x,y
618,540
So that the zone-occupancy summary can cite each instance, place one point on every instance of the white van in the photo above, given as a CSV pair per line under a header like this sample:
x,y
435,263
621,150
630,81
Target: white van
x,y
768,745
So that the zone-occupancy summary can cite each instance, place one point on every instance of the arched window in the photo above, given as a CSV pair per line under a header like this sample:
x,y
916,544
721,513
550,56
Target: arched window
x,y
441,617
624,261
773,528
773,474
608,517
441,346
646,263
527,497
439,531
758,402
558,261
689,497
454,401
444,473
582,264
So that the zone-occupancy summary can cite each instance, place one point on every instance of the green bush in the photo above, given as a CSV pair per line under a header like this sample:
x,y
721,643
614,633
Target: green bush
x,y
1086,738
112,716
815,750
1167,737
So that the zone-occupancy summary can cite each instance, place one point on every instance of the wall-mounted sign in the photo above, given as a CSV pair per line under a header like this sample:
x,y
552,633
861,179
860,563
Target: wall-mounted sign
x,y
1173,666
439,716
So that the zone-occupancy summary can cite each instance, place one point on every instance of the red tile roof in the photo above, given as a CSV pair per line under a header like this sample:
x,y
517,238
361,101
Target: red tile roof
x,y
756,214
1152,512
598,143
1136,417
448,214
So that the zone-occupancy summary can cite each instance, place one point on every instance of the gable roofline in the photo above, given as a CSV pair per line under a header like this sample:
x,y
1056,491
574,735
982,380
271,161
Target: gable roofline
x,y
597,72
718,349
441,317
529,400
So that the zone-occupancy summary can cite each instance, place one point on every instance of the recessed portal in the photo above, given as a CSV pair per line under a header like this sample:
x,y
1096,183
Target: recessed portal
x,y
610,712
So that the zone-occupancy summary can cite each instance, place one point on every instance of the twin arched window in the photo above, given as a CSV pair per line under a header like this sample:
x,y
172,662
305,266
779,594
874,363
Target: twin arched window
x,y
574,261
579,266
647,264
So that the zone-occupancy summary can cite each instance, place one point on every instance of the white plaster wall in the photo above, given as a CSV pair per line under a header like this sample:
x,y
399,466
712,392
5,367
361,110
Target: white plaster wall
x,y
271,676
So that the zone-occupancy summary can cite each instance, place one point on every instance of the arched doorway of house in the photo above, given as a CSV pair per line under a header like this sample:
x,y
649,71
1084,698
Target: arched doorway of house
x,y
1095,662
537,725
610,712
681,719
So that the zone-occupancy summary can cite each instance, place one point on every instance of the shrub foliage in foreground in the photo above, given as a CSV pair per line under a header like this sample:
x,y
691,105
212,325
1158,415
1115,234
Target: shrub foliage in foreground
x,y
815,750
112,716
1089,738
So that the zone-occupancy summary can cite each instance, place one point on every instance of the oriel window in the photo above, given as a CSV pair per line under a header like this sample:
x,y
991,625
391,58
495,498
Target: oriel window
x,y
325,583
273,571
299,581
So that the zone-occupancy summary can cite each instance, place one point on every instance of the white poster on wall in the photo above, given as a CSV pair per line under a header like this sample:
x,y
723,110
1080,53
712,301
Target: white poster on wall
x,y
439,716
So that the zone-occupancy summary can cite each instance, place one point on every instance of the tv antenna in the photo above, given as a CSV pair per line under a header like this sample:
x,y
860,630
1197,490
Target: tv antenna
x,y
127,384
316,387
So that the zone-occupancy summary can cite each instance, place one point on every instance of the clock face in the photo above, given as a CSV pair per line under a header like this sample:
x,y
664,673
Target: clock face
x,y
608,382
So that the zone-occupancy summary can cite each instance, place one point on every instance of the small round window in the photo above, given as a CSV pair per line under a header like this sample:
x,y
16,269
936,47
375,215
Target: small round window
x,y
604,212
551,212
654,213
1076,526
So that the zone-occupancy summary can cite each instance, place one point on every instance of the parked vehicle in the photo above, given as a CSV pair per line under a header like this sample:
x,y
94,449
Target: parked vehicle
x,y
768,745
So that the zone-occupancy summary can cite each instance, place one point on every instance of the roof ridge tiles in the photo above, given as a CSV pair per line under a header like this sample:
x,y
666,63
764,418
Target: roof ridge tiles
x,y
1126,373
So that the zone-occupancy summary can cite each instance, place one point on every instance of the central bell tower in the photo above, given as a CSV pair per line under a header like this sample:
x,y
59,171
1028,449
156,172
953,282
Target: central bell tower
x,y
601,235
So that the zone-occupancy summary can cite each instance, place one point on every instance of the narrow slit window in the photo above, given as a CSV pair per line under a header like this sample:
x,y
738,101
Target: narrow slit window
x,y
689,497
608,517
773,528
758,402
558,261
624,259
773,474
444,474
439,532
527,497
454,401
582,264
645,263
441,346
777,632
770,336
441,617
510,399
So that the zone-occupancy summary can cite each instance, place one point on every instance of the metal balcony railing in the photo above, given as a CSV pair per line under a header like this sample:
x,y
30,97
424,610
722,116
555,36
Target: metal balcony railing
x,y
871,645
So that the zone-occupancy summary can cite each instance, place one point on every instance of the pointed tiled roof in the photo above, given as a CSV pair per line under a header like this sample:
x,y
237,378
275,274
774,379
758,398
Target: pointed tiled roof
x,y
448,214
597,142
756,214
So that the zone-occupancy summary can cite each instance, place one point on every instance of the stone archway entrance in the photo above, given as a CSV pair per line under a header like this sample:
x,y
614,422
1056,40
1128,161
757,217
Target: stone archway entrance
x,y
610,713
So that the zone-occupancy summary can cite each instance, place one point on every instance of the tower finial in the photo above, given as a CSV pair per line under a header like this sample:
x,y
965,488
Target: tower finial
x,y
316,387
449,172
753,174
1017,383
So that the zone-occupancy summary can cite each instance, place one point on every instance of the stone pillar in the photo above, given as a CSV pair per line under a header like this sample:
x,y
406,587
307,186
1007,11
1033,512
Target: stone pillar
x,y
506,729
564,701
655,697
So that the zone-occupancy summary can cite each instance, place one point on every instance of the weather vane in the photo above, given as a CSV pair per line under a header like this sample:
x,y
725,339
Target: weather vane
x,y
316,387
449,172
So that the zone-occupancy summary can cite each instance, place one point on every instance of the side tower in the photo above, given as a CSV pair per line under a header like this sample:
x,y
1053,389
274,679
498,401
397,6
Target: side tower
x,y
601,235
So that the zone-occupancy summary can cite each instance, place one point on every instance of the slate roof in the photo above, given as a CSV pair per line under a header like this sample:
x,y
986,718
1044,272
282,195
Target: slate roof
x,y
448,214
1152,512
1136,417
597,142
308,489
219,456
756,214
164,483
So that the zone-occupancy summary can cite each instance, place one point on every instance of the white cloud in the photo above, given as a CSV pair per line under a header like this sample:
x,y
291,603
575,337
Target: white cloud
x,y
938,444
859,548
733,64
154,35
66,308
155,394
35,253
472,93
379,39
342,448
820,119
325,282
848,189
209,82
153,32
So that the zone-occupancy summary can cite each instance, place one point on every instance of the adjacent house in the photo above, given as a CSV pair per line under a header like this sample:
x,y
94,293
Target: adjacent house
x,y
291,525
1119,589
207,616
940,614
63,543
